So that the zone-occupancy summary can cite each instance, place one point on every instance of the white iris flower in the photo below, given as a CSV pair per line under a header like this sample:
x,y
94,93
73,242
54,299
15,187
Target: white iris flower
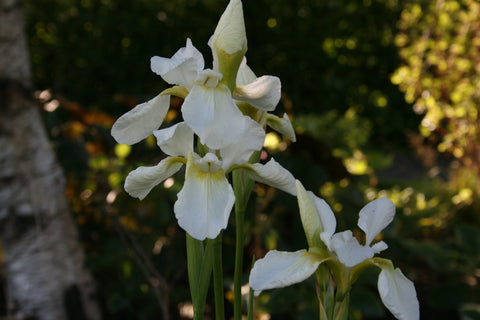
x,y
209,107
206,199
342,251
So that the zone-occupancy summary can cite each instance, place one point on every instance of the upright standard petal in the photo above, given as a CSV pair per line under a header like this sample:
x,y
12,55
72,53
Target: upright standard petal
x,y
282,125
240,151
272,174
375,216
245,75
348,250
142,180
229,43
316,215
264,93
327,217
211,112
280,269
398,294
205,201
182,68
230,35
176,140
141,121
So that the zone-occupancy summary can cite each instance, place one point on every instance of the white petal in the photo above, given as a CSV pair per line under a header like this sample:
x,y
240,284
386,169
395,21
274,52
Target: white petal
x,y
375,216
316,215
204,203
213,116
280,269
141,121
327,217
379,246
209,163
274,175
176,140
209,78
264,93
182,68
240,151
348,250
282,125
229,35
245,75
398,294
142,180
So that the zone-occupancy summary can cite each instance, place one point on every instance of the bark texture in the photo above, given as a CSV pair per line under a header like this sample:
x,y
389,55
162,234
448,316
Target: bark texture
x,y
45,272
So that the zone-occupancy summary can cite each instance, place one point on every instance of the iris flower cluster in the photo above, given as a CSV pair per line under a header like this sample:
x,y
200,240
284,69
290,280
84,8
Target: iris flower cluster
x,y
225,112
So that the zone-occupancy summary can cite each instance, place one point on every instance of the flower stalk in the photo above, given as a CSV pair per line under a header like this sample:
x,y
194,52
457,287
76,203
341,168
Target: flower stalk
x,y
218,277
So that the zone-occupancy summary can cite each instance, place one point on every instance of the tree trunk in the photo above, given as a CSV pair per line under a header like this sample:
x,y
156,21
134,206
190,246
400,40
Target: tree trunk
x,y
45,272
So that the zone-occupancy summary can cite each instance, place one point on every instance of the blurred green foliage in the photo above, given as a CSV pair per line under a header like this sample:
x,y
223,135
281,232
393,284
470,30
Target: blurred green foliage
x,y
358,139
439,44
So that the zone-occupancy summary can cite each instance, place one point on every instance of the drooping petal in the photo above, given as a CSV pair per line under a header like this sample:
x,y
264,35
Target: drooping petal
x,y
280,269
245,75
375,216
348,250
211,112
272,174
141,121
398,294
282,125
182,68
142,180
240,151
176,140
264,93
316,215
204,203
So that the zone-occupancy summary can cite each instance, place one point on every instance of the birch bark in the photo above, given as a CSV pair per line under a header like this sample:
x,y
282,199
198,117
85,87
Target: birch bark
x,y
45,272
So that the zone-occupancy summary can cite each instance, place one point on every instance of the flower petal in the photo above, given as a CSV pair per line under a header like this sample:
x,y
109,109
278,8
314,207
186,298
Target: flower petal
x,y
280,269
245,75
348,250
204,203
327,217
141,121
229,35
272,174
264,93
316,215
142,180
282,125
176,140
398,294
182,68
375,216
379,246
213,115
240,151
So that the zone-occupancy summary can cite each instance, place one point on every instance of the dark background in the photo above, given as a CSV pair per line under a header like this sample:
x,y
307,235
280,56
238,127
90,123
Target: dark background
x,y
354,76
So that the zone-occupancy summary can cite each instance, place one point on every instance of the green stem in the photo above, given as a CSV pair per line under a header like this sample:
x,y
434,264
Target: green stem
x,y
218,278
250,305
242,187
237,282
194,264
250,300
321,305
203,281
341,308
